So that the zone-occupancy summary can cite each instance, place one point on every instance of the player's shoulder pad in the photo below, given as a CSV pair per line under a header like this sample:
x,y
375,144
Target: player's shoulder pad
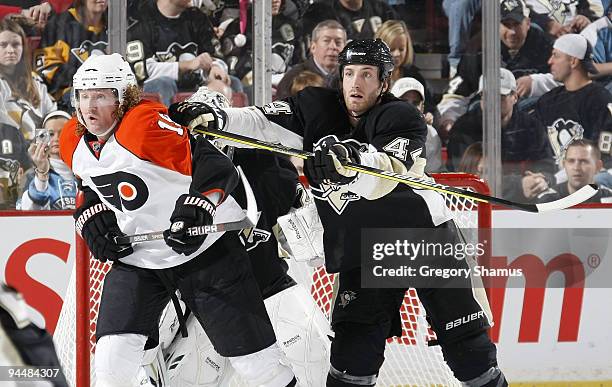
x,y
68,141
148,133
395,110
140,119
317,102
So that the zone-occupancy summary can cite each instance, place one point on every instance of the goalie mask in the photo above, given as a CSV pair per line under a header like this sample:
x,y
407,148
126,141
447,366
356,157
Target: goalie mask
x,y
102,72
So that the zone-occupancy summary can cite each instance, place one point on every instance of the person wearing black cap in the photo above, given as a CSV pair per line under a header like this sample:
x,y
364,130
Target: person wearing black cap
x,y
524,51
580,108
363,122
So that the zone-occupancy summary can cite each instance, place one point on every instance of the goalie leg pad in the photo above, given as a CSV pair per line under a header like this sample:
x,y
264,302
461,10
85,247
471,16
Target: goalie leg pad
x,y
303,334
471,357
264,368
118,360
192,361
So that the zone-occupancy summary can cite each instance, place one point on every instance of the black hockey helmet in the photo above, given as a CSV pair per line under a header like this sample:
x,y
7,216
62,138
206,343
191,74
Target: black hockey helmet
x,y
369,52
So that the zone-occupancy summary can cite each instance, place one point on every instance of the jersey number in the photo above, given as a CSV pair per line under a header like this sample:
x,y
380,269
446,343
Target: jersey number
x,y
605,142
166,123
398,148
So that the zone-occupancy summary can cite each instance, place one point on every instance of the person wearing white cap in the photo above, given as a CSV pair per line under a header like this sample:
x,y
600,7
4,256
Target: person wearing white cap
x,y
53,186
413,91
580,108
527,163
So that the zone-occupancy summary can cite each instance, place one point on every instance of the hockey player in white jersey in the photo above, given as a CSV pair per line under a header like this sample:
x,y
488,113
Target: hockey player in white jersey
x,y
300,327
141,172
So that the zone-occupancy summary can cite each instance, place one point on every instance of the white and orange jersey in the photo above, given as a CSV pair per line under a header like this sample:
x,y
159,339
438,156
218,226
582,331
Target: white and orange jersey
x,y
139,173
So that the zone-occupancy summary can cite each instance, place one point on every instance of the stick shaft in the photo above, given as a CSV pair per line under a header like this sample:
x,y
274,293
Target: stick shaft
x,y
583,194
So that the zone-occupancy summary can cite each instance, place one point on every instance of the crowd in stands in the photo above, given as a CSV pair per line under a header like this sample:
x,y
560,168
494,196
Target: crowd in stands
x,y
556,106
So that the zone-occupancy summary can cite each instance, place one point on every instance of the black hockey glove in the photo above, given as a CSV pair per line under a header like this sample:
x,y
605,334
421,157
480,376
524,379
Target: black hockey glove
x,y
97,225
190,210
326,164
193,114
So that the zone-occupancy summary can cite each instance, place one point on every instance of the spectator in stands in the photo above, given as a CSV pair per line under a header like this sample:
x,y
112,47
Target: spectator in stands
x,y
564,17
328,39
396,35
68,39
527,160
304,79
413,92
360,18
176,42
460,14
24,100
524,51
599,35
472,160
580,108
51,186
582,161
14,160
37,11
237,49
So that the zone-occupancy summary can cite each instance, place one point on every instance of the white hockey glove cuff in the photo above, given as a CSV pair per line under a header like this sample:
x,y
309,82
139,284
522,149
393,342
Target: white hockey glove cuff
x,y
301,234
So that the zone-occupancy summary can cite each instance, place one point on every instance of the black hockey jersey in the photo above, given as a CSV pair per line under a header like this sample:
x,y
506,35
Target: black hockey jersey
x,y
568,113
286,50
392,127
274,180
361,24
66,43
170,40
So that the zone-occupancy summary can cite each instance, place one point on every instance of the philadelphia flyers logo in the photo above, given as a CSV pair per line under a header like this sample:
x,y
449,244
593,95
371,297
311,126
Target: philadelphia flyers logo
x,y
125,191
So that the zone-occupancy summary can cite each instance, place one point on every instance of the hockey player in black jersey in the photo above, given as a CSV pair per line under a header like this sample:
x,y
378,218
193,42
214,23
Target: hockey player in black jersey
x,y
363,123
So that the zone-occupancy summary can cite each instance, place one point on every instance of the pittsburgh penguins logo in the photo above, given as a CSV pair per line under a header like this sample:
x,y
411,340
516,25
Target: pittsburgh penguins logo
x,y
178,52
125,191
346,297
337,196
89,48
252,237
561,133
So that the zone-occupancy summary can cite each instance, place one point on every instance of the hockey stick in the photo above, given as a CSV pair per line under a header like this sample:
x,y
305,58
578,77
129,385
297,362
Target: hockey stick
x,y
577,197
249,220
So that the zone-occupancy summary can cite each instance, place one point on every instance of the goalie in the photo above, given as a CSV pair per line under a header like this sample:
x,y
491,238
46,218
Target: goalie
x,y
363,123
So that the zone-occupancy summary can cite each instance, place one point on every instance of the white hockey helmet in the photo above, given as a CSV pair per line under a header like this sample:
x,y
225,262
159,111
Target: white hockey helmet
x,y
102,72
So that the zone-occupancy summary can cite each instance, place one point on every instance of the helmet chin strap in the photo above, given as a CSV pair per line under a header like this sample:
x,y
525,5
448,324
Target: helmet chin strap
x,y
113,125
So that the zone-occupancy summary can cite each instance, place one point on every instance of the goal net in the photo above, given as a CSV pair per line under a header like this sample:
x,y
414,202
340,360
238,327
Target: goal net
x,y
409,360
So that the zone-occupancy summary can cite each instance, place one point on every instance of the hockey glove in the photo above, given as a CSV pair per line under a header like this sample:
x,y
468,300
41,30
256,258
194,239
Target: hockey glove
x,y
326,164
193,114
190,210
97,225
